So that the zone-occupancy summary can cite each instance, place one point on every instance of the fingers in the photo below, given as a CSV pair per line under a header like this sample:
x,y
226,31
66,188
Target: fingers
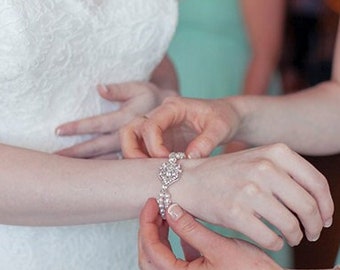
x,y
100,146
249,224
195,234
206,142
267,183
137,98
98,124
287,189
153,129
318,202
133,143
217,252
176,112
153,253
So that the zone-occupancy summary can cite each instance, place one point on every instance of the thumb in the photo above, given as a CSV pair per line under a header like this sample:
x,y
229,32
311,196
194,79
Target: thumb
x,y
191,231
118,92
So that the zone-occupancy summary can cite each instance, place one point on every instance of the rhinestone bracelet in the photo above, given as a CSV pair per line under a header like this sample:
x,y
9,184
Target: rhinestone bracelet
x,y
170,172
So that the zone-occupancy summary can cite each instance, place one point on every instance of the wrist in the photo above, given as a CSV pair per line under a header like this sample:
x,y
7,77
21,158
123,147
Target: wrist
x,y
243,109
183,192
170,172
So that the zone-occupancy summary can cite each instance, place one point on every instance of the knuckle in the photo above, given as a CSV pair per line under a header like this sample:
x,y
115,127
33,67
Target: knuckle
x,y
273,242
321,184
206,143
264,166
293,233
225,127
252,189
311,208
97,125
280,149
292,227
235,212
147,128
298,238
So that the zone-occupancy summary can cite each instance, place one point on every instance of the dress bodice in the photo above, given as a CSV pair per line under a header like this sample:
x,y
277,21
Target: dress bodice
x,y
53,53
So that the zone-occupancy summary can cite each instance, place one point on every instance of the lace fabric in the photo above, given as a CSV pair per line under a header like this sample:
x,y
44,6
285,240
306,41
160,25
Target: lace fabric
x,y
53,53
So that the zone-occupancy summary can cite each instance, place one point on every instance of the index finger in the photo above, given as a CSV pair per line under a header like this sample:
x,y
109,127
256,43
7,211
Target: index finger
x,y
159,120
131,140
197,115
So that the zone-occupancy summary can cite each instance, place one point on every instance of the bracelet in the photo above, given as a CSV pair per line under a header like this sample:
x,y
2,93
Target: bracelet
x,y
169,173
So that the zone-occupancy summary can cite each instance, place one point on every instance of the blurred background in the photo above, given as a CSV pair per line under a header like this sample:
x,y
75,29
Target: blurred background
x,y
264,47
309,39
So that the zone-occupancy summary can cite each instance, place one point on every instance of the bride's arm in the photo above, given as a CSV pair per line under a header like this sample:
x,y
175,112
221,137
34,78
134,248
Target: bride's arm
x,y
272,181
44,189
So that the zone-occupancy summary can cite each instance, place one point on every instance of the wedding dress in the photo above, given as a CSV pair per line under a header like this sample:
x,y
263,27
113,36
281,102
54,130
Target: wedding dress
x,y
53,53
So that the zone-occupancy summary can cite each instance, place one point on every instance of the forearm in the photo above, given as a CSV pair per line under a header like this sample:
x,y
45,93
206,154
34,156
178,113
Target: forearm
x,y
307,121
264,22
165,77
258,75
44,189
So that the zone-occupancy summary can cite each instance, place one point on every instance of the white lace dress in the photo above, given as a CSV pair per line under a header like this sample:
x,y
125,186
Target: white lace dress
x,y
52,55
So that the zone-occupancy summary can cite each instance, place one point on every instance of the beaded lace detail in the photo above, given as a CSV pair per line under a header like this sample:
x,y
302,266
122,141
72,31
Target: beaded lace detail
x,y
53,53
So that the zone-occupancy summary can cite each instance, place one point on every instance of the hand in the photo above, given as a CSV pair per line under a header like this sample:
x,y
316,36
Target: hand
x,y
271,182
211,123
243,189
217,252
137,99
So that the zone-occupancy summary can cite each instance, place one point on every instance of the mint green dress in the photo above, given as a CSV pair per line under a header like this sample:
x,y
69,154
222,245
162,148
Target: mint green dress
x,y
210,52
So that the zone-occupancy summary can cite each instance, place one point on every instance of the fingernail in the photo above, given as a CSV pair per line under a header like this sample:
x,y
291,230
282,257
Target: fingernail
x,y
193,155
103,88
328,223
313,238
175,211
58,132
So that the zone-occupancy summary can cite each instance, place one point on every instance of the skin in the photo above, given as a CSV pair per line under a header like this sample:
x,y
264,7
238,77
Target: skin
x,y
101,191
137,98
255,182
265,41
292,119
305,121
214,251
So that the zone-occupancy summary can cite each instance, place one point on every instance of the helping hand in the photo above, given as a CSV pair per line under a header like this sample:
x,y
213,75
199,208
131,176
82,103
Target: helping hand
x,y
271,182
211,123
217,252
